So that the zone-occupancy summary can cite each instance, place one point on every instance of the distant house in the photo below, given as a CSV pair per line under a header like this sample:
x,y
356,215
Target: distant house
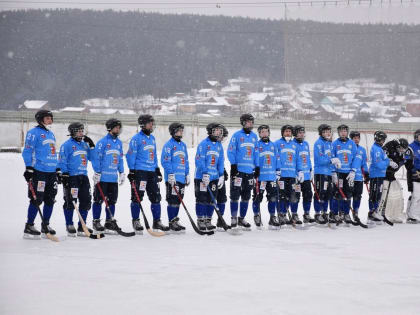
x,y
96,102
330,101
34,105
187,108
212,84
103,111
413,107
413,120
214,103
262,98
70,109
207,93
126,112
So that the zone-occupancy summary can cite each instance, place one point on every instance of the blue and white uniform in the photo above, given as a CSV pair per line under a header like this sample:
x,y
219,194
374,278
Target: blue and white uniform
x,y
268,161
74,158
241,153
379,162
107,160
304,164
40,153
209,159
174,160
287,183
142,158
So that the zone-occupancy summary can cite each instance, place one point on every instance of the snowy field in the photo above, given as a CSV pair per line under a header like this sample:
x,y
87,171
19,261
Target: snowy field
x,y
315,271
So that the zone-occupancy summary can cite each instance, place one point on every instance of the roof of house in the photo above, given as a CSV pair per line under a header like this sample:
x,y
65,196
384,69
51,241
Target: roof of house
x,y
409,120
72,109
34,104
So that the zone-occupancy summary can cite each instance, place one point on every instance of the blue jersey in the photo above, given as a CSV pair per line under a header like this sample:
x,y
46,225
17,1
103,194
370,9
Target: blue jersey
x,y
141,154
241,151
415,145
107,158
303,162
346,152
379,161
268,160
209,159
74,157
322,157
39,151
361,151
174,160
287,153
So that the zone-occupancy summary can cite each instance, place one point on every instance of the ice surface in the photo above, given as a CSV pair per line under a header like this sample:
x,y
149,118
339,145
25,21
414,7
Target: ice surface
x,y
317,271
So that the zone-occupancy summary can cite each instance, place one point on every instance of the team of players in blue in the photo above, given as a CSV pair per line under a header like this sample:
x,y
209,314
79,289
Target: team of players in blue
x,y
282,170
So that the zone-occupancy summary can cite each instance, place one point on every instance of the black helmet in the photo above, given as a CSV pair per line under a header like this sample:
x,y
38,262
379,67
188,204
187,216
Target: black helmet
x,y
323,127
261,127
74,128
173,129
145,119
342,127
39,116
112,123
246,117
354,133
211,126
416,134
285,127
379,136
403,143
297,129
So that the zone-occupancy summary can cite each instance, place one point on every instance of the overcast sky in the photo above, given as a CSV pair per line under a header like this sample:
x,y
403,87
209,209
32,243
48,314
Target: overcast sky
x,y
407,12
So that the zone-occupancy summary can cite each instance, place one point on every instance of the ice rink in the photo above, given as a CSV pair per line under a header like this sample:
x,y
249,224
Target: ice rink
x,y
349,270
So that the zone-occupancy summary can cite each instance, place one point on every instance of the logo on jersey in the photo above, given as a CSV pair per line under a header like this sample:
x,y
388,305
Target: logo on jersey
x,y
213,160
241,139
289,156
115,158
151,155
304,159
182,159
42,136
84,160
52,148
108,146
345,158
267,159
248,151
73,148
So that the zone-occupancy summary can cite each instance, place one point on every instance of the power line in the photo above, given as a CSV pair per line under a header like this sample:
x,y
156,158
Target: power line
x,y
221,4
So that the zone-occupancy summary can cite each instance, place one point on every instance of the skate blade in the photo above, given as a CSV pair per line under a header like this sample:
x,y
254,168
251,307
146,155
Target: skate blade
x,y
27,236
109,232
71,234
259,228
220,229
175,232
160,231
245,228
81,234
412,222
44,235
138,232
273,228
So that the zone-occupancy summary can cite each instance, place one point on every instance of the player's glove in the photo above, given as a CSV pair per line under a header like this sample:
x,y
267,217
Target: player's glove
x,y
393,165
65,180
121,179
301,177
59,175
334,178
206,179
131,176
29,173
171,179
336,162
350,178
158,174
89,141
221,182
96,178
257,172
233,170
